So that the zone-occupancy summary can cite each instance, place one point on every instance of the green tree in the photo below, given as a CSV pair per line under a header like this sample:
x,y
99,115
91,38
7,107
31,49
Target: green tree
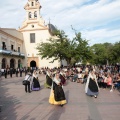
x,y
81,49
101,53
60,48
55,47
115,53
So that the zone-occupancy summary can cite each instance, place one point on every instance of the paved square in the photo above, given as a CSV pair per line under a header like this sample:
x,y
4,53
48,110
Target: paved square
x,y
18,105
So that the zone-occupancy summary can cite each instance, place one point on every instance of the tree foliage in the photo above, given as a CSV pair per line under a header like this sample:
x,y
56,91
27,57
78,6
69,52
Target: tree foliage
x,y
81,49
115,53
61,48
106,53
54,47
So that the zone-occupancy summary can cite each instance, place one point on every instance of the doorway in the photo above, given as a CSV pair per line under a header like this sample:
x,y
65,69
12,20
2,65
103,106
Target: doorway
x,y
32,64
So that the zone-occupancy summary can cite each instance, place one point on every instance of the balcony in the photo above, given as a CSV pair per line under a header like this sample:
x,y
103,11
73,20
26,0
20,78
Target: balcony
x,y
12,53
5,51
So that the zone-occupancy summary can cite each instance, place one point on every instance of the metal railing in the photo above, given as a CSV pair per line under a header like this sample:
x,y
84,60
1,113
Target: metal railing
x,y
9,52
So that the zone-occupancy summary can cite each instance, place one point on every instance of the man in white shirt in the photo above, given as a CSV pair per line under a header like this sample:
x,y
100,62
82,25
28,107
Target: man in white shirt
x,y
28,78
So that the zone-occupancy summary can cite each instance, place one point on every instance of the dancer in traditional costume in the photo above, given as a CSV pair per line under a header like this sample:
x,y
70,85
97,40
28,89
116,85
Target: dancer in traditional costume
x,y
57,96
35,85
91,87
48,83
62,77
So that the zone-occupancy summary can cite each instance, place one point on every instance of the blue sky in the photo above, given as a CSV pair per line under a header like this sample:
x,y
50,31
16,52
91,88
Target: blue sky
x,y
97,20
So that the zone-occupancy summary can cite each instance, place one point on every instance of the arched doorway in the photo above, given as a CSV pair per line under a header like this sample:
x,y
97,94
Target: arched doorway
x,y
3,63
12,63
32,64
19,63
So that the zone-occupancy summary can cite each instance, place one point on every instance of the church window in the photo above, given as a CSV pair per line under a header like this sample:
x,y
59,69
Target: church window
x,y
32,26
32,3
30,15
32,37
35,14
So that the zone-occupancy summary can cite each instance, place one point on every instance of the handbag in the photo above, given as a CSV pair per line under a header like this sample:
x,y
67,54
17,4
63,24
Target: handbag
x,y
24,82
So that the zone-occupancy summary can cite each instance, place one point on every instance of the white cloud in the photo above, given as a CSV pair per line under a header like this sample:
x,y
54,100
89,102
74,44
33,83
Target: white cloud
x,y
101,36
85,18
91,15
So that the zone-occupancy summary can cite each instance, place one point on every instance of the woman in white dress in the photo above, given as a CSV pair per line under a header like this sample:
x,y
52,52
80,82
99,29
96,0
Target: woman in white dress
x,y
91,87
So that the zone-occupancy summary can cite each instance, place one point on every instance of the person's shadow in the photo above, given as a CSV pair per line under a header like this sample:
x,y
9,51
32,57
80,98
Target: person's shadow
x,y
58,110
56,113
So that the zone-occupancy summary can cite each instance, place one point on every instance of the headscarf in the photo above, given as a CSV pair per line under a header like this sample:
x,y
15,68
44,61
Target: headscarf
x,y
57,81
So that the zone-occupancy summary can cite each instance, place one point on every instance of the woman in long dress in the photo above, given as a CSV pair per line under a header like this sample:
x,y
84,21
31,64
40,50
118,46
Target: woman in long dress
x,y
57,96
91,87
48,83
35,83
62,77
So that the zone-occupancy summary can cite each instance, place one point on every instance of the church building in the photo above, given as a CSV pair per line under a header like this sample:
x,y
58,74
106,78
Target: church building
x,y
20,45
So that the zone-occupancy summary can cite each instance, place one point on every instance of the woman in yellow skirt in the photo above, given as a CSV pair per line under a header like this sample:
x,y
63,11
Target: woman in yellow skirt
x,y
57,96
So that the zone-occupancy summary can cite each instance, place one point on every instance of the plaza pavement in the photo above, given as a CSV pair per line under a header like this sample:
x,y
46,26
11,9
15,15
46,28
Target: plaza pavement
x,y
18,105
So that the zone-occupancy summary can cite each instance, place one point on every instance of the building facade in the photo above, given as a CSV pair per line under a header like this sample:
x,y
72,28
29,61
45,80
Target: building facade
x,y
35,31
18,47
11,49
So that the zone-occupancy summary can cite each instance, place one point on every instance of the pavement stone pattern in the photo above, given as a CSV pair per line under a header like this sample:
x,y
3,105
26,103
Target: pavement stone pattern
x,y
16,104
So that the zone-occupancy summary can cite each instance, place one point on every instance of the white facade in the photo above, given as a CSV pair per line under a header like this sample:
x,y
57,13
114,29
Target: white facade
x,y
35,31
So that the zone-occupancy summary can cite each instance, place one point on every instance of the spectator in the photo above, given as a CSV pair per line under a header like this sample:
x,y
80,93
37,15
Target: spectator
x,y
28,78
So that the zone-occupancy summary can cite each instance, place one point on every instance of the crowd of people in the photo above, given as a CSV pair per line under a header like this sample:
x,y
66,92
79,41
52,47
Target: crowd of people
x,y
94,78
18,71
54,81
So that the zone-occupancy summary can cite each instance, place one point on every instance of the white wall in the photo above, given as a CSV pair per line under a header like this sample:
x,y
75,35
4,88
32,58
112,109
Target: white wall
x,y
40,36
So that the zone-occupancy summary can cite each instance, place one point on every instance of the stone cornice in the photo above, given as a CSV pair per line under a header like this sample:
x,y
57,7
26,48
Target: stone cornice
x,y
8,35
28,7
43,27
33,29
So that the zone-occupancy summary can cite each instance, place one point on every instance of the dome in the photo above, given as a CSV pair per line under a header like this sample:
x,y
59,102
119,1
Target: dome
x,y
52,28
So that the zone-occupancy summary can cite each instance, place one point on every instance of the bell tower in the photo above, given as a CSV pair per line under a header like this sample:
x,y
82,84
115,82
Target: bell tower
x,y
32,10
34,32
33,18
